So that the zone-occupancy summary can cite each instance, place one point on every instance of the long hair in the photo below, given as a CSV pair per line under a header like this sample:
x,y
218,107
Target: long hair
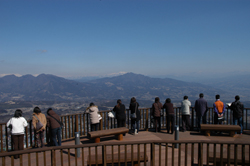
x,y
133,100
18,113
119,102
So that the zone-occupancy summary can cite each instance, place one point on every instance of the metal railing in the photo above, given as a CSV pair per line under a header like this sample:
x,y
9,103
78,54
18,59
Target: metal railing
x,y
80,123
153,152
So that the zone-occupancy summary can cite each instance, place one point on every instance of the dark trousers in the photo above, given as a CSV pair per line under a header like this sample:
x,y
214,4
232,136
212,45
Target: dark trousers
x,y
157,124
95,127
216,120
56,136
170,119
198,120
120,123
186,122
17,142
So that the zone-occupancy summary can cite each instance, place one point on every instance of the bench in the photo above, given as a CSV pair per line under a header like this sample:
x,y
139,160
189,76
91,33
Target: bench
x,y
116,160
222,128
96,135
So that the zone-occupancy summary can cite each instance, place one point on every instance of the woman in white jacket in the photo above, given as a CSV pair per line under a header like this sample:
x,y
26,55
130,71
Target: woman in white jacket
x,y
94,116
18,124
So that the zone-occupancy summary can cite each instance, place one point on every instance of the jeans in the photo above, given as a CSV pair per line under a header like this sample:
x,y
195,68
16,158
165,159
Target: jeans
x,y
95,127
56,136
240,121
135,125
157,124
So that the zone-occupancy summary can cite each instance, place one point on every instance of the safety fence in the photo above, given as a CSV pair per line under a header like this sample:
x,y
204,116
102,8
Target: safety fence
x,y
151,152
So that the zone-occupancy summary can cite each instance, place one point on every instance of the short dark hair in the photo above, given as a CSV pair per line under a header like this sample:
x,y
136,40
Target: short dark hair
x,y
217,96
37,110
157,99
119,101
48,110
91,104
237,97
18,113
168,100
185,97
201,95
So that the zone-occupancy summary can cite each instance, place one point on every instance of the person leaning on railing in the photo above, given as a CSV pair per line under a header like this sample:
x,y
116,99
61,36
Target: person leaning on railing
x,y
93,111
120,110
39,133
168,106
53,123
18,124
156,113
237,107
135,121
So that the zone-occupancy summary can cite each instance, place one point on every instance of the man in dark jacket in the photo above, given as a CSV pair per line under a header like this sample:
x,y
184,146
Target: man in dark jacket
x,y
156,113
200,109
53,122
237,107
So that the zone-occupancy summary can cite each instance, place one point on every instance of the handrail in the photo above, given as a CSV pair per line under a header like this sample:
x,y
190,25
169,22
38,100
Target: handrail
x,y
209,151
79,122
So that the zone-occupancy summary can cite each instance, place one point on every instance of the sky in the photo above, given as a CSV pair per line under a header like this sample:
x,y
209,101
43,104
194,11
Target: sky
x,y
78,38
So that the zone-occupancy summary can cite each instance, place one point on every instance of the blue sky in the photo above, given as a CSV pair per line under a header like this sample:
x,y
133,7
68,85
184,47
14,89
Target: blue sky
x,y
77,38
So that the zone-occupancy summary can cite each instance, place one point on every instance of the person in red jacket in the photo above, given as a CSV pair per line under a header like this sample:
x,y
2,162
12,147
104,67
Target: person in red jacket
x,y
219,109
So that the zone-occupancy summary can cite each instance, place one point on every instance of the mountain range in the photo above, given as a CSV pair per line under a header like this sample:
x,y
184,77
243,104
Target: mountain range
x,y
47,87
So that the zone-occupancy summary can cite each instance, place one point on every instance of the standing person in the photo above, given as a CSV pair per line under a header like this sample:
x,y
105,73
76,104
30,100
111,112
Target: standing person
x,y
219,109
18,124
170,115
201,109
185,109
237,107
39,133
53,123
94,116
134,109
120,109
156,113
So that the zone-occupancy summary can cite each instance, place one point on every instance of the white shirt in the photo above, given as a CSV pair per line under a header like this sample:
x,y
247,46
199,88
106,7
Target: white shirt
x,y
18,125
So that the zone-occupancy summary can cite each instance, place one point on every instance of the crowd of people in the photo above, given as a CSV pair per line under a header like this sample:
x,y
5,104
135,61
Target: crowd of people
x,y
18,123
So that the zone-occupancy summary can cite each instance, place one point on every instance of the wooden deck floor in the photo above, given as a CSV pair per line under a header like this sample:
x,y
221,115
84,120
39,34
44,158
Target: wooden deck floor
x,y
69,155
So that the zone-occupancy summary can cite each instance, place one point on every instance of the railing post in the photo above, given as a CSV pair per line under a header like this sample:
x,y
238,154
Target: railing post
x,y
146,127
101,122
30,124
152,154
52,158
76,124
104,155
192,122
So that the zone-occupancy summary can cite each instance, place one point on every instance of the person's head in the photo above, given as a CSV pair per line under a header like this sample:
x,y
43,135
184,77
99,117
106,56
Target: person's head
x,y
49,109
201,95
168,100
237,97
37,110
119,101
133,100
91,104
18,113
157,99
217,97
185,97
